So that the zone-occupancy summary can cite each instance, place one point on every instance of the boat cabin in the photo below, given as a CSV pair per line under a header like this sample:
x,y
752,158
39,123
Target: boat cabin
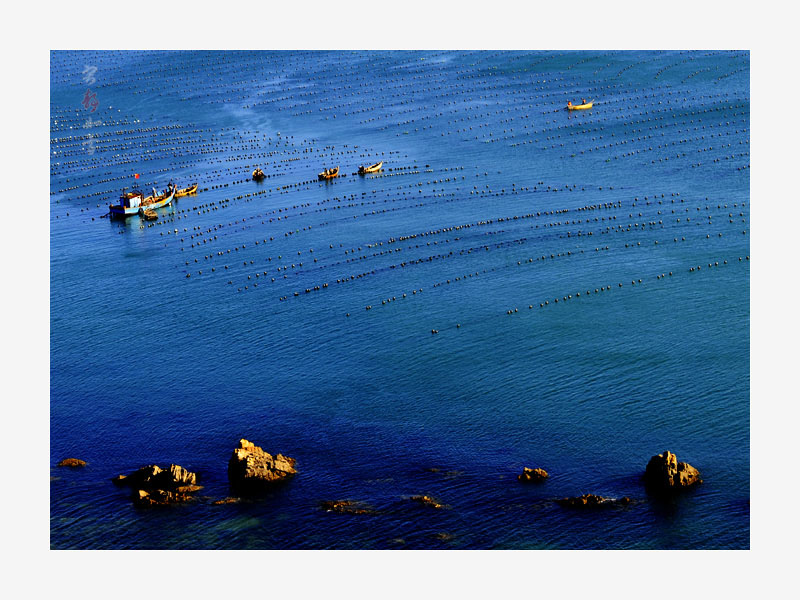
x,y
131,199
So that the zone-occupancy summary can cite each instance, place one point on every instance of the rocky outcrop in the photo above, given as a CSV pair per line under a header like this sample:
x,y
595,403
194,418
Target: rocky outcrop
x,y
532,475
665,475
154,486
426,501
153,477
72,462
161,497
228,500
350,507
592,501
251,468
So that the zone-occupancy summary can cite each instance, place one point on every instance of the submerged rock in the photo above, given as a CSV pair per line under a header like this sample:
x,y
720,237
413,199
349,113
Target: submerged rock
x,y
160,497
251,467
226,501
664,474
532,475
350,507
426,501
72,462
592,501
188,489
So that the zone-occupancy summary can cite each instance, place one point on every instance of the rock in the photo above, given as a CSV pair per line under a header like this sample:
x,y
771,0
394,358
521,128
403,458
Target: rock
x,y
227,501
188,489
153,477
249,466
592,501
427,501
664,474
154,486
533,475
72,462
350,507
160,497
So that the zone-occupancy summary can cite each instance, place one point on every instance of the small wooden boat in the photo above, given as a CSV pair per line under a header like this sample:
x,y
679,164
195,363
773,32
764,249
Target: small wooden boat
x,y
258,175
148,214
571,106
328,174
131,202
372,169
186,191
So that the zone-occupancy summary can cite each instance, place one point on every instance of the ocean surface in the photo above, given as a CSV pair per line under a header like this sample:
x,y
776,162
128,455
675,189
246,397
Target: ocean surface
x,y
521,286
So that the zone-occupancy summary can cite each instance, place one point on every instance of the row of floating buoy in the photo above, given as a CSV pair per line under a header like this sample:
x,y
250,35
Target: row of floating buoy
x,y
599,290
375,254
518,262
662,195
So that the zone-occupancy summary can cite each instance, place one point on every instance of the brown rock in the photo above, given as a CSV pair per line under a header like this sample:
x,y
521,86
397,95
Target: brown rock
x,y
72,462
350,507
427,501
664,474
153,477
227,501
154,486
582,501
159,497
179,475
188,489
250,466
593,501
533,475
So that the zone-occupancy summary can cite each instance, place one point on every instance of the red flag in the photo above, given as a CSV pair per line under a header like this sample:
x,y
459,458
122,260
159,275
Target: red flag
x,y
136,175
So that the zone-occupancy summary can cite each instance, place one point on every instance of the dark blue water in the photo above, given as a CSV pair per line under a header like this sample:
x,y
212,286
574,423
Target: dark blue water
x,y
242,312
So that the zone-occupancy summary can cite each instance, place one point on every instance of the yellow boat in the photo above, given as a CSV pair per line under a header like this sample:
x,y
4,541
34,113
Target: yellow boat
x,y
186,191
372,169
258,175
571,106
328,174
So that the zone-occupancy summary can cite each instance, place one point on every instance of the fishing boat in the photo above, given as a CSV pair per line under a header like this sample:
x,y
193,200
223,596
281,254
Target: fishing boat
x,y
186,191
131,202
148,214
328,174
258,175
372,169
571,106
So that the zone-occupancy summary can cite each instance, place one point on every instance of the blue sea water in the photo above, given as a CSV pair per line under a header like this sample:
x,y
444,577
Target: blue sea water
x,y
242,312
